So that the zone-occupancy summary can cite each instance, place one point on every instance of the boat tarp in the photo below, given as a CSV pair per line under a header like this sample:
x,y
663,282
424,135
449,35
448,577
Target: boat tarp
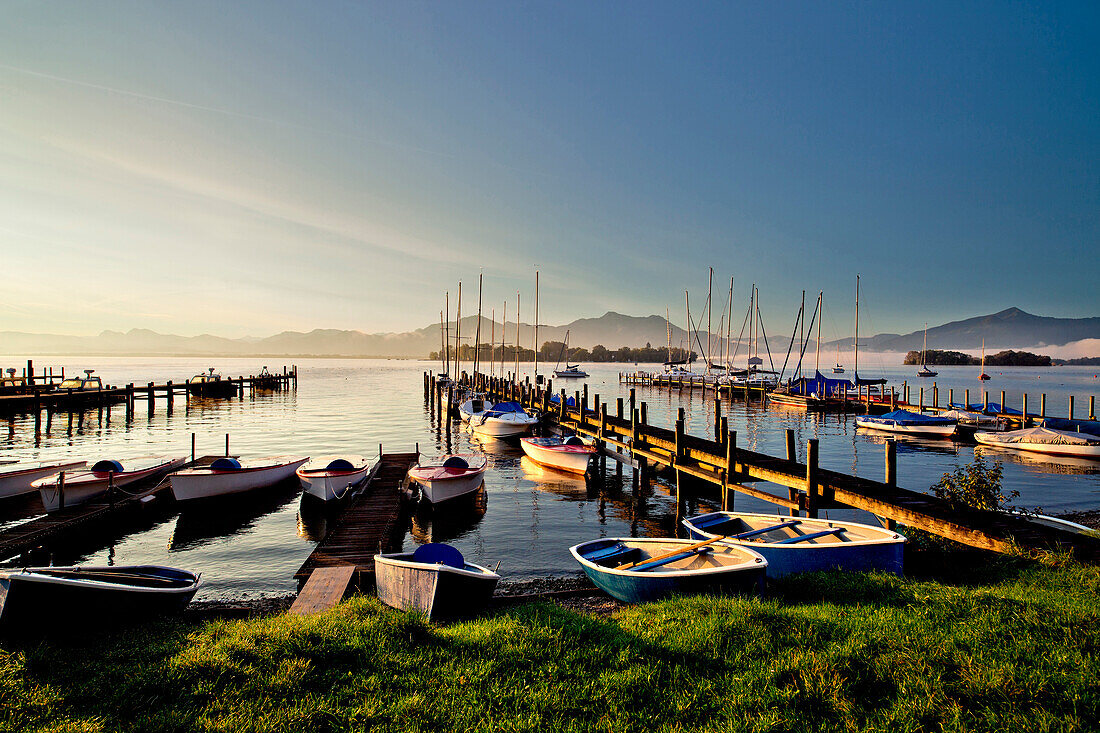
x,y
569,401
904,417
507,407
820,386
861,381
1046,436
981,407
1091,427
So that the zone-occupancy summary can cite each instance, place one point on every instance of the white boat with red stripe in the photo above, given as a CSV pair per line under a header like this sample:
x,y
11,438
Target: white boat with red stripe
x,y
449,478
331,477
233,476
565,454
81,486
16,477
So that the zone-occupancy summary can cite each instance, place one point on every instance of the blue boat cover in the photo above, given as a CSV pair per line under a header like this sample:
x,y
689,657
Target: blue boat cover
x,y
507,407
820,385
904,417
569,401
441,554
572,440
980,407
861,381
225,464
456,462
107,465
340,464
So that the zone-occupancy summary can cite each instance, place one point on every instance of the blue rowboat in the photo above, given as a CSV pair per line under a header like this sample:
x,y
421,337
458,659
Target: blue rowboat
x,y
910,423
801,545
636,570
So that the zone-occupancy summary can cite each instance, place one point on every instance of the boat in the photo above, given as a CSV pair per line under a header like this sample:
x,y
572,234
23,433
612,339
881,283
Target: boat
x,y
839,368
211,384
453,476
565,454
82,486
639,569
16,478
12,384
82,384
503,420
75,598
474,404
571,371
435,580
1044,440
924,371
909,423
978,420
982,375
232,476
330,477
1055,522
798,545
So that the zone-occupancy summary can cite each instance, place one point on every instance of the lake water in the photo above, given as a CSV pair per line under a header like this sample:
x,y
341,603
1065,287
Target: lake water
x,y
526,518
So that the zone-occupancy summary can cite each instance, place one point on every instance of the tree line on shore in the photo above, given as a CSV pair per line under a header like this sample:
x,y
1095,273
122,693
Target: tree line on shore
x,y
555,351
957,358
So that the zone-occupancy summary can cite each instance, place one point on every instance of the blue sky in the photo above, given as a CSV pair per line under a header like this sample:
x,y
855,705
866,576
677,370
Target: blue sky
x,y
245,168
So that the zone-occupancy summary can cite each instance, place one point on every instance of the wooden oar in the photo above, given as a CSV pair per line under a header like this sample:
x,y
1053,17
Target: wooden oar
x,y
690,548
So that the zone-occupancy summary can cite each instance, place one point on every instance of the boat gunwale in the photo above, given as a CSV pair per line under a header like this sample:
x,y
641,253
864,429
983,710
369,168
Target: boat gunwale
x,y
396,560
759,561
892,539
43,576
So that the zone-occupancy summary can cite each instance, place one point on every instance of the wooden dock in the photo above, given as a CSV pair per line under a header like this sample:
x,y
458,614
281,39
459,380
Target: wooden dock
x,y
365,528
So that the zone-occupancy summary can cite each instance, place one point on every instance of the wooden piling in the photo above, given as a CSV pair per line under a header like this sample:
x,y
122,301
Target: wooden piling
x,y
811,478
1071,407
891,475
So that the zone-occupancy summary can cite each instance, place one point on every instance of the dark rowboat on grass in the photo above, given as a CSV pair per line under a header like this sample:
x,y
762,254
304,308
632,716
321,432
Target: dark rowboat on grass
x,y
435,579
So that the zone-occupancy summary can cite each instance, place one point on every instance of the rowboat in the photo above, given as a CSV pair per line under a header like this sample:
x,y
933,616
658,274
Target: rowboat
x,y
330,477
451,477
565,454
17,477
909,423
799,545
81,486
72,599
1044,440
232,476
503,420
636,570
435,579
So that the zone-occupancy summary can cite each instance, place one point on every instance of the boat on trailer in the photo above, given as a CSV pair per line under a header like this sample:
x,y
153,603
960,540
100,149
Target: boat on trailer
x,y
563,453
503,420
82,486
1044,440
233,476
18,477
70,599
434,579
331,477
798,545
449,478
639,569
909,423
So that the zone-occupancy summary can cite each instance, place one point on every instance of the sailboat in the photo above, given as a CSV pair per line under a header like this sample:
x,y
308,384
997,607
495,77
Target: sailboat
x,y
924,371
839,368
983,376
571,370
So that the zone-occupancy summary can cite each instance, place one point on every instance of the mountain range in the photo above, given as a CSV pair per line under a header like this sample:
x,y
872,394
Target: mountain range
x,y
1008,329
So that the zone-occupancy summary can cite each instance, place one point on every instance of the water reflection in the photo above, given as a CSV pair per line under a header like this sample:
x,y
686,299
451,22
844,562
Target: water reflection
x,y
316,517
205,520
1039,462
913,444
449,521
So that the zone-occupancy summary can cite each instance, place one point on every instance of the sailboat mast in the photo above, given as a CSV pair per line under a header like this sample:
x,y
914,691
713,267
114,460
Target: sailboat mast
x,y
687,305
710,310
503,327
817,361
855,344
477,331
515,376
458,334
668,334
924,347
442,342
536,369
493,342
801,332
447,305
729,326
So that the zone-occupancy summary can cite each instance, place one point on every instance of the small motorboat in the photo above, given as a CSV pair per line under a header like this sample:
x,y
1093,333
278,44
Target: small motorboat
x,y
565,454
435,579
474,404
330,477
233,476
82,384
503,420
1044,440
909,423
81,486
17,477
800,545
211,384
72,599
636,570
453,476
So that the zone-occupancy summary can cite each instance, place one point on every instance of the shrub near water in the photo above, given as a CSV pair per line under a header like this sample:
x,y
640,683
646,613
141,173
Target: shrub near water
x,y
828,651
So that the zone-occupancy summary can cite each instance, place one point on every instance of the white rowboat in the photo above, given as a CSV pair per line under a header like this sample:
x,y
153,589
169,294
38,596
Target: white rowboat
x,y
16,478
231,476
82,486
1044,440
330,477
565,454
452,477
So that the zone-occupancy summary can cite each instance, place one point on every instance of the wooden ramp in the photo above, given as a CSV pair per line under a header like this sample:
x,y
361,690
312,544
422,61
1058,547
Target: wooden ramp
x,y
364,528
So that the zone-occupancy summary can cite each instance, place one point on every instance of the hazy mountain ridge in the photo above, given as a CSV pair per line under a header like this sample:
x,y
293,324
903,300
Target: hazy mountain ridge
x,y
1011,328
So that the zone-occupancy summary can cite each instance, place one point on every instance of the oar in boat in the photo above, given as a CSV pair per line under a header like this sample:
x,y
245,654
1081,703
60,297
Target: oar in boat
x,y
690,549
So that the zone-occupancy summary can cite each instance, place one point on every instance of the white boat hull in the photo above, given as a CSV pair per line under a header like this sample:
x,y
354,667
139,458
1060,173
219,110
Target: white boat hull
x,y
507,426
1050,449
928,431
16,483
328,488
571,461
85,488
204,485
440,490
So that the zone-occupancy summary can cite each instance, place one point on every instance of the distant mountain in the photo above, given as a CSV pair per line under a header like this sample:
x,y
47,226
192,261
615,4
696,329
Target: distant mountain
x,y
1012,328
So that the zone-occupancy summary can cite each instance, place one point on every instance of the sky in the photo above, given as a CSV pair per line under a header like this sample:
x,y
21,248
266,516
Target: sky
x,y
247,168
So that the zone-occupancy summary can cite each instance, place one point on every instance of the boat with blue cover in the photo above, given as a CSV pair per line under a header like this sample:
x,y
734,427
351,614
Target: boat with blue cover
x,y
910,423
434,579
799,545
639,569
503,420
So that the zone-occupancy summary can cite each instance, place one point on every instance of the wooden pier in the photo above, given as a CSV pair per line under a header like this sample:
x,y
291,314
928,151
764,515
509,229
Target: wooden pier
x,y
802,487
365,528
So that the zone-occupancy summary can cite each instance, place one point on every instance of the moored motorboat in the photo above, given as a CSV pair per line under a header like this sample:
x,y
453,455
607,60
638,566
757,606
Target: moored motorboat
x,y
798,545
211,384
909,423
71,599
233,476
503,420
971,421
1044,440
330,477
17,477
435,579
636,569
81,384
449,478
474,404
81,486
563,453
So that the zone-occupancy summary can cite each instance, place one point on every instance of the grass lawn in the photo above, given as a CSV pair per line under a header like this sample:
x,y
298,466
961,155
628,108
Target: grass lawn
x,y
1003,644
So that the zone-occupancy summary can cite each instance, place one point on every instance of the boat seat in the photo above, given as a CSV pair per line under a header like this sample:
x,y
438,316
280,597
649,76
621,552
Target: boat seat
x,y
763,530
456,462
617,554
711,521
439,554
671,559
811,536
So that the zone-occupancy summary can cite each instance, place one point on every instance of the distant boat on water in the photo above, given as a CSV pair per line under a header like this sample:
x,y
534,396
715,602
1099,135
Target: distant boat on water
x,y
924,371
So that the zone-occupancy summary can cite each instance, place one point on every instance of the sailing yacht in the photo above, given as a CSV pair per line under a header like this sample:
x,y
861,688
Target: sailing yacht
x,y
983,376
571,370
924,371
839,368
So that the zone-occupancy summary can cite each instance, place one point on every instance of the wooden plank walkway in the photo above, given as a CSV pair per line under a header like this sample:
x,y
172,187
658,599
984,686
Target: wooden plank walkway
x,y
365,526
325,588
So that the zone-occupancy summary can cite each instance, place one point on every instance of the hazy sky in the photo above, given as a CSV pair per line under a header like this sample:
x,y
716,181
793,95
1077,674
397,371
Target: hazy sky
x,y
245,168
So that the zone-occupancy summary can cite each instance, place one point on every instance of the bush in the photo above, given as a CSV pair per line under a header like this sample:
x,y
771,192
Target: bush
x,y
976,485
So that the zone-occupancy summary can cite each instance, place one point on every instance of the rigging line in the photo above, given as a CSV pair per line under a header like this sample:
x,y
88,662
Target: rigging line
x,y
764,331
790,346
738,345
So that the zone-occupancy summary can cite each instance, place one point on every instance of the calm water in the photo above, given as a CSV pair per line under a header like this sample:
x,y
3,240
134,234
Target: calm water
x,y
526,518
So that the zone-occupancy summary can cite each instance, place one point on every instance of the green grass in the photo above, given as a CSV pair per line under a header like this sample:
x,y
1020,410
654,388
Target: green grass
x,y
1014,650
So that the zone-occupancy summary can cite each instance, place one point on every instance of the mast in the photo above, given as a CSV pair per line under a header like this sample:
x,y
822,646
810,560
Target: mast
x,y
447,301
515,377
855,345
493,343
668,335
458,335
729,326
442,342
477,332
710,310
820,317
536,369
802,333
687,305
503,326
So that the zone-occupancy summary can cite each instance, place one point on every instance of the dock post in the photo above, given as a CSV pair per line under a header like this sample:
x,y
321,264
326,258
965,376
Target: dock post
x,y
905,391
985,400
61,491
30,371
1092,407
717,418
227,444
633,401
1025,418
950,395
129,402
192,447
445,415
891,474
792,456
922,399
1071,407
1043,405
618,414
731,470
966,399
644,412
150,395
811,478
602,443
171,396
1002,409
619,408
